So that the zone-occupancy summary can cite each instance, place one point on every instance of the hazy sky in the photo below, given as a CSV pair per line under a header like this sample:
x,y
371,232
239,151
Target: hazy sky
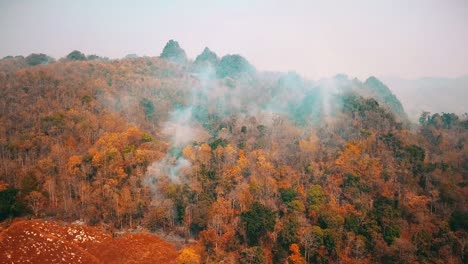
x,y
405,38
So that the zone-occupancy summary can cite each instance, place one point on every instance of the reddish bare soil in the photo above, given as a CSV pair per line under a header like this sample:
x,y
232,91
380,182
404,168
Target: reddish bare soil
x,y
38,241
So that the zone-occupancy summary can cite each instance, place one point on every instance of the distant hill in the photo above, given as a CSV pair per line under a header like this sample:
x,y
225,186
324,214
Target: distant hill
x,y
432,94
370,88
381,92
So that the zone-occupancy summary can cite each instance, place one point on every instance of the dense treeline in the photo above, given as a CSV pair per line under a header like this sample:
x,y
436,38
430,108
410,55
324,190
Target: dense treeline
x,y
61,128
85,139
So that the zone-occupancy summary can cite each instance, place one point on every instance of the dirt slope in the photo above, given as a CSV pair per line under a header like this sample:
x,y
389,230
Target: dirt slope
x,y
38,241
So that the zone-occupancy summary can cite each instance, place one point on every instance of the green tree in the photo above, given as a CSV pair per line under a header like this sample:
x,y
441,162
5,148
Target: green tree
x,y
8,203
252,255
459,221
257,222
148,108
315,195
286,237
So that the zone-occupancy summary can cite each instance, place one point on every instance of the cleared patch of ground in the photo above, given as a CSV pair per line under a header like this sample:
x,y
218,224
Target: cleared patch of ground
x,y
39,241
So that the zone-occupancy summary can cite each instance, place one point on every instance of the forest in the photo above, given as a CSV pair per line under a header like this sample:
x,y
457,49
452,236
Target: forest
x,y
245,166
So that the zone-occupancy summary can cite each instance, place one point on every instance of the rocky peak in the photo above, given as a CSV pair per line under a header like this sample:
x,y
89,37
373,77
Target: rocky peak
x,y
173,52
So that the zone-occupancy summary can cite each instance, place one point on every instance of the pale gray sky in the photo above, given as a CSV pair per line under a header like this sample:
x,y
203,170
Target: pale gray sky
x,y
405,38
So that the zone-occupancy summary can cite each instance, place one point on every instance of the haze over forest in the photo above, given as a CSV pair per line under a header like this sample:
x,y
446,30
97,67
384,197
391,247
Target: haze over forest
x,y
233,132
317,39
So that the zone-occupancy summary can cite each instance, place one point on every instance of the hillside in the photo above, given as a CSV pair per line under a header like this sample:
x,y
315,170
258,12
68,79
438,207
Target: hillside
x,y
251,166
52,242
